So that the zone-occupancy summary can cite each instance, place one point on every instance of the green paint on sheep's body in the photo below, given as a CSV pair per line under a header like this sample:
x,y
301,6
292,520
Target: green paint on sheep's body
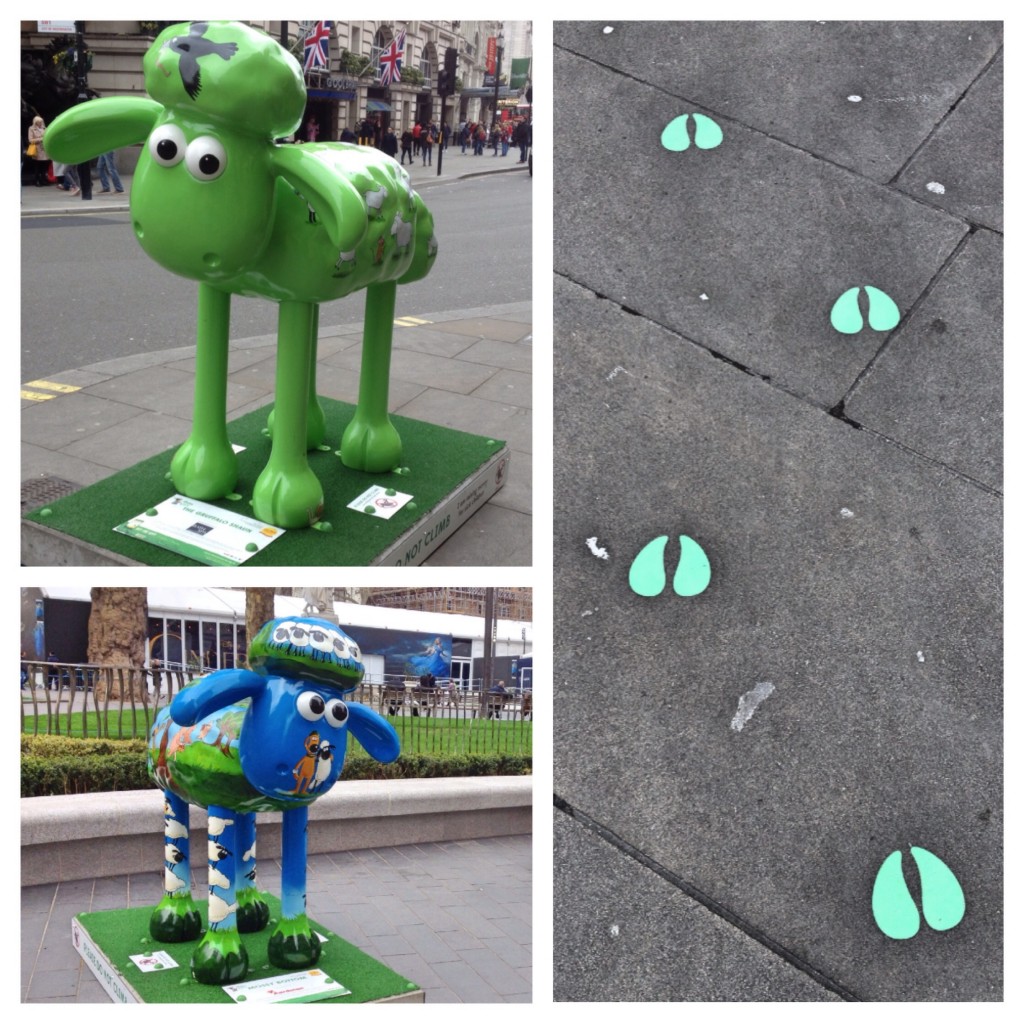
x,y
217,200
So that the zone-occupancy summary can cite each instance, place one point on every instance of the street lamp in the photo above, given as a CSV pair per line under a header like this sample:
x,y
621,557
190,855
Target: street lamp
x,y
497,72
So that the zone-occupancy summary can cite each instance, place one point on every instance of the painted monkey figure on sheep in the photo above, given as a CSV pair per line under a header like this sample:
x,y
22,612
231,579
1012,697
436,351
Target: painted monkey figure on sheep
x,y
269,738
215,199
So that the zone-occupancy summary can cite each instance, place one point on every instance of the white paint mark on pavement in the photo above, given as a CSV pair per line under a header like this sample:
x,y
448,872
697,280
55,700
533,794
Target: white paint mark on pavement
x,y
846,513
595,550
614,931
855,98
749,703
920,655
608,29
703,297
937,187
617,371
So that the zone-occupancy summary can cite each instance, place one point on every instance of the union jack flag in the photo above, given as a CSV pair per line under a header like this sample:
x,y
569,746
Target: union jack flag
x,y
391,60
315,46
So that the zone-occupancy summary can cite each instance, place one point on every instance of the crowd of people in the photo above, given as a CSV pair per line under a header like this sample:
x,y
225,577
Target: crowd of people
x,y
419,140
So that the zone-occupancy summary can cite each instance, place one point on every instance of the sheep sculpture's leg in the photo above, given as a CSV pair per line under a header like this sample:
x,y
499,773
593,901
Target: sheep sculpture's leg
x,y
371,442
287,492
220,958
176,917
293,944
205,466
316,424
253,912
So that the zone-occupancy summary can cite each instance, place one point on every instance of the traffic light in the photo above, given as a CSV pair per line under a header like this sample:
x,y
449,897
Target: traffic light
x,y
451,57
444,83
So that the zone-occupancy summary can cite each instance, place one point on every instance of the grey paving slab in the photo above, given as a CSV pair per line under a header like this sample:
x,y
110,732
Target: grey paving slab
x,y
151,432
433,950
510,356
489,529
793,79
423,369
508,386
500,420
960,168
70,417
861,581
49,463
939,386
623,933
743,248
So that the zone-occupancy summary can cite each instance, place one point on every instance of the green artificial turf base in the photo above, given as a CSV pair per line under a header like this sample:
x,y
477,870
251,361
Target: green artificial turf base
x,y
435,462
107,938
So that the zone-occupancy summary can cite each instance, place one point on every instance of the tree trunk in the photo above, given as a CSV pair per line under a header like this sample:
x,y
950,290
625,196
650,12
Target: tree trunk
x,y
259,608
117,635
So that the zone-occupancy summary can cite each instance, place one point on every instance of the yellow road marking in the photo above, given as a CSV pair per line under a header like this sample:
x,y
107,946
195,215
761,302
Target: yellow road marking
x,y
410,321
50,385
36,396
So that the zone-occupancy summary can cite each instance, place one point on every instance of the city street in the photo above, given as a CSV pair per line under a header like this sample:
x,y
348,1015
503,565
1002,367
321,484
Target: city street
x,y
113,300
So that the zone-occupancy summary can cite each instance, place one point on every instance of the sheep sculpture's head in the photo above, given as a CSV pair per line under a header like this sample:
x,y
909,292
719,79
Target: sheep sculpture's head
x,y
293,739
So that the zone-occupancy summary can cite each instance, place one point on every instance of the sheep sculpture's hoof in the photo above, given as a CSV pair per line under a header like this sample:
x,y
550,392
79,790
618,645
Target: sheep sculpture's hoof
x,y
204,471
372,447
220,959
293,945
175,920
253,912
290,498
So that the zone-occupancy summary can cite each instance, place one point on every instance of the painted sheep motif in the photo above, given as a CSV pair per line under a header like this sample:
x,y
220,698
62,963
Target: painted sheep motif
x,y
215,199
272,738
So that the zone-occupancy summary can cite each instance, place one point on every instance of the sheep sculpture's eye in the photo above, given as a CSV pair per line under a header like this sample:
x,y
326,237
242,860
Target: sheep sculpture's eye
x,y
337,713
167,145
310,705
205,158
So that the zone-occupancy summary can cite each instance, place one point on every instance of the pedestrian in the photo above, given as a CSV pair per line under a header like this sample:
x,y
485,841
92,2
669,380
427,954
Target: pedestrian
x,y
464,136
84,170
417,134
106,167
446,132
389,144
52,674
427,140
66,177
481,138
406,146
522,139
24,672
495,137
506,138
347,135
496,699
36,152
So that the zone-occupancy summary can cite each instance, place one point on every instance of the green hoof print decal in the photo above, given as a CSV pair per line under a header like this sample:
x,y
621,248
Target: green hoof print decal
x,y
883,314
647,573
896,913
676,134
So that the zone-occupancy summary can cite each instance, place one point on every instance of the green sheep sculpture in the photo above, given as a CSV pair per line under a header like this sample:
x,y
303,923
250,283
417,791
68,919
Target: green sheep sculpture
x,y
217,200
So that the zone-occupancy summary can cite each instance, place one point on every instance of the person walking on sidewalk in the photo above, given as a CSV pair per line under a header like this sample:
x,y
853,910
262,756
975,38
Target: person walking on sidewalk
x,y
427,139
106,167
406,146
35,151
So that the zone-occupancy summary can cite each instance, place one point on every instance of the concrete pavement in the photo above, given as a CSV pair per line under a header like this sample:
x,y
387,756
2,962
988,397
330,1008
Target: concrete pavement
x,y
732,769
470,369
452,916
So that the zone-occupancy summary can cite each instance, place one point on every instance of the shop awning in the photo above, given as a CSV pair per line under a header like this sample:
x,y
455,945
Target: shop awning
x,y
377,106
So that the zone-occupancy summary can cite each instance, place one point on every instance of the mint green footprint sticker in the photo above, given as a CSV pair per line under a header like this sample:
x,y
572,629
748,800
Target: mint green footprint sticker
x,y
676,136
692,576
942,899
883,314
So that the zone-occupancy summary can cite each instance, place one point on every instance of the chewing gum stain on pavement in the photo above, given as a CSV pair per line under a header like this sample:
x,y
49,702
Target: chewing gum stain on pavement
x,y
749,703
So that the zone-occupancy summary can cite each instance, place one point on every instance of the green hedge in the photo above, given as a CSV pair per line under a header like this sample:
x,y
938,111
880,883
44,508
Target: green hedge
x,y
54,765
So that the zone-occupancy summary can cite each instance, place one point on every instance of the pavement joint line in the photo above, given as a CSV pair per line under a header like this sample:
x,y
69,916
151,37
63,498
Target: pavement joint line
x,y
837,411
888,186
708,902
945,117
905,317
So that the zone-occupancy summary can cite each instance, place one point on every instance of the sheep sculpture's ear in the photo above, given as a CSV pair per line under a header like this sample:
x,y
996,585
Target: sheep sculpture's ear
x,y
337,202
96,127
374,732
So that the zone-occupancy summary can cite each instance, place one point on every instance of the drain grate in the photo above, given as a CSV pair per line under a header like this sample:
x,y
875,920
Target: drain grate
x,y
42,490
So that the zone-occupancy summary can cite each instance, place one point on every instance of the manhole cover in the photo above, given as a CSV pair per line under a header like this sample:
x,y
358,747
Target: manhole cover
x,y
39,492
